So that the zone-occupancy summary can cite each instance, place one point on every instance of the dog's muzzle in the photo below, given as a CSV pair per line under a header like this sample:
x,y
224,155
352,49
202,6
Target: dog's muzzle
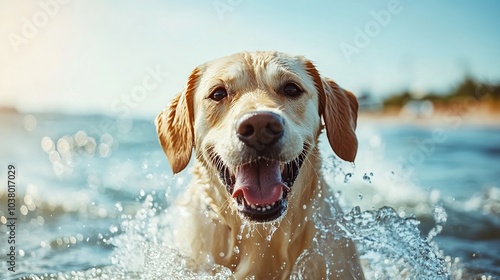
x,y
260,186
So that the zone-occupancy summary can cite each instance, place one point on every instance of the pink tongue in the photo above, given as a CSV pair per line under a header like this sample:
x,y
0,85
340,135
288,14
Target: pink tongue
x,y
259,183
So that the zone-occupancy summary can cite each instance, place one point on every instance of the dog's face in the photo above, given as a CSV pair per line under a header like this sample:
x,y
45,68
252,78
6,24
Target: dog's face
x,y
253,118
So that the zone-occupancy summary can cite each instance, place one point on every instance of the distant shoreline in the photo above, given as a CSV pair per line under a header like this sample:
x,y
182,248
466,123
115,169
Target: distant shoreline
x,y
476,115
471,102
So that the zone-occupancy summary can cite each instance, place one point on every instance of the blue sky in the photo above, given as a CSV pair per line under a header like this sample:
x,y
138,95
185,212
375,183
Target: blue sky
x,y
90,56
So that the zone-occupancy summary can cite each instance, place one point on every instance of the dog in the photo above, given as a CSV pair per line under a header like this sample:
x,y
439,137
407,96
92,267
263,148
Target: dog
x,y
253,120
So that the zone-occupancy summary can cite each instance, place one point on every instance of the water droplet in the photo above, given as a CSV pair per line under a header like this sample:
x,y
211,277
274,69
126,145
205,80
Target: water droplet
x,y
119,206
367,178
236,250
347,177
360,196
338,194
440,214
356,210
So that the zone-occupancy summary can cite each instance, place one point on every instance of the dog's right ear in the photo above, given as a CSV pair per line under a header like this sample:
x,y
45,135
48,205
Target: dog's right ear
x,y
174,126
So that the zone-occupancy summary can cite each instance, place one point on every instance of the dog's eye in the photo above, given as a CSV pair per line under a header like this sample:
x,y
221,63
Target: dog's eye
x,y
218,94
292,90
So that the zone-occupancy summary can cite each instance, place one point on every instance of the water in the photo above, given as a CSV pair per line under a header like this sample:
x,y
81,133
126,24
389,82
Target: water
x,y
95,200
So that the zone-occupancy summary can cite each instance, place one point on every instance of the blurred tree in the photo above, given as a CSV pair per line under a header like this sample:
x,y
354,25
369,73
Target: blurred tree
x,y
467,88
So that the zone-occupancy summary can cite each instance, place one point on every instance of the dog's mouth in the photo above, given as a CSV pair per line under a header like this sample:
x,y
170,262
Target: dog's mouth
x,y
261,187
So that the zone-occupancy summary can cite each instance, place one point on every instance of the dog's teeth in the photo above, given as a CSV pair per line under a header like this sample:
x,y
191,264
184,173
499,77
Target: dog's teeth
x,y
262,208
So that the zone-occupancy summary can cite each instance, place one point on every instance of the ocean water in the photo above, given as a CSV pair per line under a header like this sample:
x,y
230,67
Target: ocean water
x,y
95,200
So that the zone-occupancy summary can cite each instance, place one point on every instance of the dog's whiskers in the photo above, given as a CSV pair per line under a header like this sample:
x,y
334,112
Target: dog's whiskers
x,y
225,205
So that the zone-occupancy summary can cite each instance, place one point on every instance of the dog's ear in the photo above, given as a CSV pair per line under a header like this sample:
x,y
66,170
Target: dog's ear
x,y
340,113
339,109
174,126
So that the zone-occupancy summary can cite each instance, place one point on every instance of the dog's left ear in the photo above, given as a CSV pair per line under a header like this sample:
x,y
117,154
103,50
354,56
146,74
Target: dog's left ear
x,y
340,115
174,126
339,109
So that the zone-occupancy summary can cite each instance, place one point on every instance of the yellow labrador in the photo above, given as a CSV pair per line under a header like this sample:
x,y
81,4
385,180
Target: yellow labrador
x,y
253,120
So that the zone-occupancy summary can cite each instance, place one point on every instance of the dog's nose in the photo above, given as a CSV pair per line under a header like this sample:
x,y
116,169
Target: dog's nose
x,y
260,129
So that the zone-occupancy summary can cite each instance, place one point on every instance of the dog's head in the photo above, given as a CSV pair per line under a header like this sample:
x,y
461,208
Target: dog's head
x,y
253,118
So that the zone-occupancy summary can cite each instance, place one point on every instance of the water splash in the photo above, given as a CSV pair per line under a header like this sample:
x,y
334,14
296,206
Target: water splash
x,y
146,250
390,246
440,217
367,177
